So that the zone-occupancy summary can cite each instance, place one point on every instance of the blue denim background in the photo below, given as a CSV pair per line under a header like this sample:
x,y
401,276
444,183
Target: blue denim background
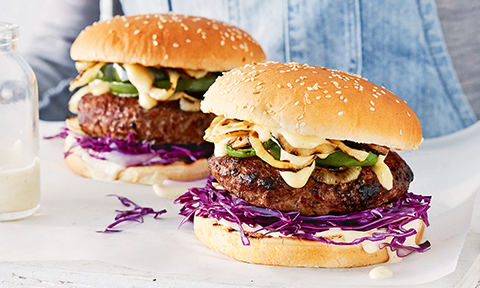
x,y
395,44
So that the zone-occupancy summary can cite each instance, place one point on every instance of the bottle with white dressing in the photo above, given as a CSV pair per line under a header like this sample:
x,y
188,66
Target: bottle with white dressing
x,y
19,161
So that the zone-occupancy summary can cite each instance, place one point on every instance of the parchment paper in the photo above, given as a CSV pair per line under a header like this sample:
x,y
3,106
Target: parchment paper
x,y
74,208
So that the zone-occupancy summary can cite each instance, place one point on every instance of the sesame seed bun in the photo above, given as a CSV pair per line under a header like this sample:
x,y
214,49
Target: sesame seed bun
x,y
167,40
287,251
311,100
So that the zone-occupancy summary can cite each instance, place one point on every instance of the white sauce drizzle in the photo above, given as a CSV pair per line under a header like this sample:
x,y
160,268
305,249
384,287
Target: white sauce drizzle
x,y
296,179
380,272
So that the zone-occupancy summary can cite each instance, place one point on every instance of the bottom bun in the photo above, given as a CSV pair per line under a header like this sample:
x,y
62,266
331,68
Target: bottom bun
x,y
146,175
286,251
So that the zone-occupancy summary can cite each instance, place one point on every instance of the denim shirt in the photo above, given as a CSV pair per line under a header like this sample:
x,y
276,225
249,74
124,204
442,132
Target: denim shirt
x,y
395,44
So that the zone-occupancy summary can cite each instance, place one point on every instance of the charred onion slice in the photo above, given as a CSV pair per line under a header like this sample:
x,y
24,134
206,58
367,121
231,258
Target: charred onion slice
x,y
86,76
333,178
217,138
324,148
357,154
263,154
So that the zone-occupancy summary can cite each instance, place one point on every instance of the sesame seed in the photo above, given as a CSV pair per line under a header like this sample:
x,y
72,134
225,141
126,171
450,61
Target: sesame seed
x,y
374,95
325,91
289,85
300,117
318,97
296,103
279,86
308,101
258,87
340,113
302,124
175,45
234,47
306,95
345,100
372,109
371,102
188,40
338,92
199,30
397,101
222,43
155,43
400,131
154,36
126,25
383,92
302,83
328,96
409,114
136,32
165,57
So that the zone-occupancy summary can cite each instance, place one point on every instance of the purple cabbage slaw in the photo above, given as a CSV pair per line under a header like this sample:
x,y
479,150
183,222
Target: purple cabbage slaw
x,y
135,214
220,204
131,153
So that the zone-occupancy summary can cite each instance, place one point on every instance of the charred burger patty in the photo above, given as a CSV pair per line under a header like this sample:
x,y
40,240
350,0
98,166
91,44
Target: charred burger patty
x,y
108,114
260,184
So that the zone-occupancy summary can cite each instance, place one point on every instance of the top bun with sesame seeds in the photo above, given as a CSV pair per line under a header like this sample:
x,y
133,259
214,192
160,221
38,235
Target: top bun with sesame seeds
x,y
167,40
318,101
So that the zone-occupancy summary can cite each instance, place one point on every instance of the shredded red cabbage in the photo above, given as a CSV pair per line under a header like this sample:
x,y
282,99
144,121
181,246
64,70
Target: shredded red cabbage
x,y
135,214
390,220
131,153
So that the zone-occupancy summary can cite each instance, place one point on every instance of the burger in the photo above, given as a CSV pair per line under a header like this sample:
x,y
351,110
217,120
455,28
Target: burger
x,y
305,170
141,79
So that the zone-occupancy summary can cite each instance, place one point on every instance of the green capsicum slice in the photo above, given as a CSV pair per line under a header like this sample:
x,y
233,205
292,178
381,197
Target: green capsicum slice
x,y
123,88
271,146
195,85
340,159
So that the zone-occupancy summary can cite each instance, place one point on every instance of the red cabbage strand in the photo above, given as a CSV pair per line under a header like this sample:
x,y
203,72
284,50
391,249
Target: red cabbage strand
x,y
135,214
131,153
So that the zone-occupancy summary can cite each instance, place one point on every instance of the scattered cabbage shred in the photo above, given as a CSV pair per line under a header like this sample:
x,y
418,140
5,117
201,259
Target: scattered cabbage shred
x,y
389,220
131,153
135,214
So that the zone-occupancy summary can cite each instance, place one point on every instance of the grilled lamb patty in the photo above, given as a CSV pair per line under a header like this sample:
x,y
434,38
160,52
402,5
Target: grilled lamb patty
x,y
108,114
260,184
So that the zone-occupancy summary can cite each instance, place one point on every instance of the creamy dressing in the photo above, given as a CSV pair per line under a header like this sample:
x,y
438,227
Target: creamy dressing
x,y
341,235
346,236
97,169
380,272
19,183
383,173
299,178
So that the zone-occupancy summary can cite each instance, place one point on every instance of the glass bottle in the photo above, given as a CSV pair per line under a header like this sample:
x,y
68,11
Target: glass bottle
x,y
19,161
